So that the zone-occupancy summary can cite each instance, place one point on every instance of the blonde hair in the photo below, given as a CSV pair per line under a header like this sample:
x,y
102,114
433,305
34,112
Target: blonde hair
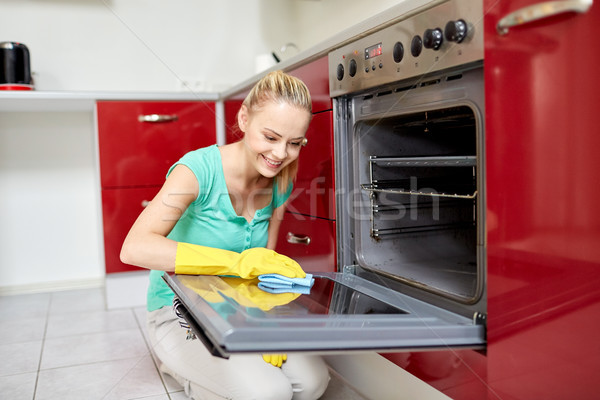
x,y
280,87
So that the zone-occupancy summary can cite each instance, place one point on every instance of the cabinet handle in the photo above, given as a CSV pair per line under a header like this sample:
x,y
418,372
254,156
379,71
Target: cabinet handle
x,y
157,118
541,10
291,238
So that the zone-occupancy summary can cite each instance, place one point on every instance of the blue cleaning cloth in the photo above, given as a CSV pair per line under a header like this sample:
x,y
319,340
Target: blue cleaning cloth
x,y
275,283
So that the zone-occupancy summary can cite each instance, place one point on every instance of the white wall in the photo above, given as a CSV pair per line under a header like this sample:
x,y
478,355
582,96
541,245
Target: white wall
x,y
154,45
142,45
318,20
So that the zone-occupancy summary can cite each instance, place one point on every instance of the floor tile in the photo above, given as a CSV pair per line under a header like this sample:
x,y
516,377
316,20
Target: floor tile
x,y
26,306
112,380
18,358
140,315
77,300
339,390
77,323
20,331
82,349
18,387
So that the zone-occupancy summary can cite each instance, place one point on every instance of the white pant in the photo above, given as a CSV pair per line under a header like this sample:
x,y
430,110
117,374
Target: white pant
x,y
246,376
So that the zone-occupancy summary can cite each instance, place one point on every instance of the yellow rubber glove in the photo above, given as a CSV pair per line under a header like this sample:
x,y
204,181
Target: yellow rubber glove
x,y
193,259
275,359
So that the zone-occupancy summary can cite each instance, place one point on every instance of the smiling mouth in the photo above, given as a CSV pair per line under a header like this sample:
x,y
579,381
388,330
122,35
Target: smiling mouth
x,y
272,163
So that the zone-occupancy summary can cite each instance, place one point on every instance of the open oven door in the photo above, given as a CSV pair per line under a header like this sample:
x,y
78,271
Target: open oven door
x,y
342,312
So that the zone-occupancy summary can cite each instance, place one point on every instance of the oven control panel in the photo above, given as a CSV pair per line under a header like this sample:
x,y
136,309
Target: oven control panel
x,y
441,37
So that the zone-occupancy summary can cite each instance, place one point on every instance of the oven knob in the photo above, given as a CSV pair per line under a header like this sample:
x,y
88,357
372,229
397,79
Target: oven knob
x,y
455,31
416,46
352,68
398,52
433,38
340,72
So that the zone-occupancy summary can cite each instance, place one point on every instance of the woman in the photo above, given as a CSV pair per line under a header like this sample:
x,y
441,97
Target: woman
x,y
219,209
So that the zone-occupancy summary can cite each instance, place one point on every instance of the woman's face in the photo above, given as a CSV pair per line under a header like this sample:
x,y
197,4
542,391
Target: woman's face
x,y
273,134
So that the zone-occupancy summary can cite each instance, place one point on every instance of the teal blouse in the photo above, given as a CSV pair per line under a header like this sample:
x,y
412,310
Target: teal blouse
x,y
210,220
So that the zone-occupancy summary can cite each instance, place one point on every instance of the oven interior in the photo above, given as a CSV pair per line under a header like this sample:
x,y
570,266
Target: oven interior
x,y
416,199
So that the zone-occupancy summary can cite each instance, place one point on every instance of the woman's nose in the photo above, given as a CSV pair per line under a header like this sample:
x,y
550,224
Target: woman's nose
x,y
280,150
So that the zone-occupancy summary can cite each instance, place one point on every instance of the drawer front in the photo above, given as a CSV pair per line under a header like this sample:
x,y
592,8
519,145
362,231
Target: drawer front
x,y
120,209
314,187
310,241
139,141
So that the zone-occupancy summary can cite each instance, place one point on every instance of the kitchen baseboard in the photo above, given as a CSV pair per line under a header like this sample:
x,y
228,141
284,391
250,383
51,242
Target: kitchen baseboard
x,y
376,378
52,286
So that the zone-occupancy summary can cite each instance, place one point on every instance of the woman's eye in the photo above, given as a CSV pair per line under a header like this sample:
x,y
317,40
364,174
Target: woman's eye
x,y
270,138
295,144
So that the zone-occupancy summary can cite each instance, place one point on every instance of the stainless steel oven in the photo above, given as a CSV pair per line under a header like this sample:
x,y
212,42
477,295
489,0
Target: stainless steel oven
x,y
409,136
408,124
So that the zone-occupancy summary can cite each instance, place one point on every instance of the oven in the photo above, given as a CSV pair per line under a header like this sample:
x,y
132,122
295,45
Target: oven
x,y
409,151
408,138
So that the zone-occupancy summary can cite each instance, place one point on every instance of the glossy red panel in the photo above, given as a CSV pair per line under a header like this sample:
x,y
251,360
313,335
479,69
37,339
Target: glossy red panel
x,y
316,77
316,256
120,209
543,224
460,374
314,187
232,132
134,153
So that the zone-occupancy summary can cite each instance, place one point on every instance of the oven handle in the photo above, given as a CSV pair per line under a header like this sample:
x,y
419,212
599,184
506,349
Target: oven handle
x,y
291,238
540,11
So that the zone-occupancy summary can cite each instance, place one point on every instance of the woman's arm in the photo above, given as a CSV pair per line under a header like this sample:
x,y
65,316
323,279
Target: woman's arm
x,y
274,225
146,244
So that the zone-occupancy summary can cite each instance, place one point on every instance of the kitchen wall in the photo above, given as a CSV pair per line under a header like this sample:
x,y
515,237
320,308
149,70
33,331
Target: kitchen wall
x,y
156,45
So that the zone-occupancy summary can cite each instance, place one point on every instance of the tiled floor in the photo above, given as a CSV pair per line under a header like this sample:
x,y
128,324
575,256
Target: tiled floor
x,y
66,345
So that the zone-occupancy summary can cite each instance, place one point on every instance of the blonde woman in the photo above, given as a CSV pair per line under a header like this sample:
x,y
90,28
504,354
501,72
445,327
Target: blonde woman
x,y
219,208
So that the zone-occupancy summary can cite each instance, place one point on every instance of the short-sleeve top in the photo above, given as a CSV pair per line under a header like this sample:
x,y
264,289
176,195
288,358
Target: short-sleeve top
x,y
210,220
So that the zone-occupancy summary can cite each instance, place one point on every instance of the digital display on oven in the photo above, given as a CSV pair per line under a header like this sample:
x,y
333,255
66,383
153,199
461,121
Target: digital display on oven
x,y
373,51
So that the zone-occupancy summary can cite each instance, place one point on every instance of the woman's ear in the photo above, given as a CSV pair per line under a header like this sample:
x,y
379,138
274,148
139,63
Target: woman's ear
x,y
243,118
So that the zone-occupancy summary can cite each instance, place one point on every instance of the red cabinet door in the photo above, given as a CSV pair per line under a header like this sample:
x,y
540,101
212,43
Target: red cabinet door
x,y
139,153
543,223
120,209
308,240
316,77
314,187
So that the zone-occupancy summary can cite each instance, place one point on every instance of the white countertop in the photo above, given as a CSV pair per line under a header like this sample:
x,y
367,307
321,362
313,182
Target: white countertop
x,y
34,100
41,101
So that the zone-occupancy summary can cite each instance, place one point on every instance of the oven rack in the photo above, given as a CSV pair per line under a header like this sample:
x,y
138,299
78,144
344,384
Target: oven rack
x,y
371,187
379,233
412,162
450,161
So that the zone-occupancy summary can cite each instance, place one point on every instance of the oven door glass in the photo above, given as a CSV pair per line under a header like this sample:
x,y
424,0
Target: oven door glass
x,y
342,312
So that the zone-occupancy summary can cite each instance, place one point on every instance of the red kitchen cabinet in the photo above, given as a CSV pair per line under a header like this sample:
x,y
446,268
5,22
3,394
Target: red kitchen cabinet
x,y
316,77
232,132
138,142
120,208
308,240
543,223
313,193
